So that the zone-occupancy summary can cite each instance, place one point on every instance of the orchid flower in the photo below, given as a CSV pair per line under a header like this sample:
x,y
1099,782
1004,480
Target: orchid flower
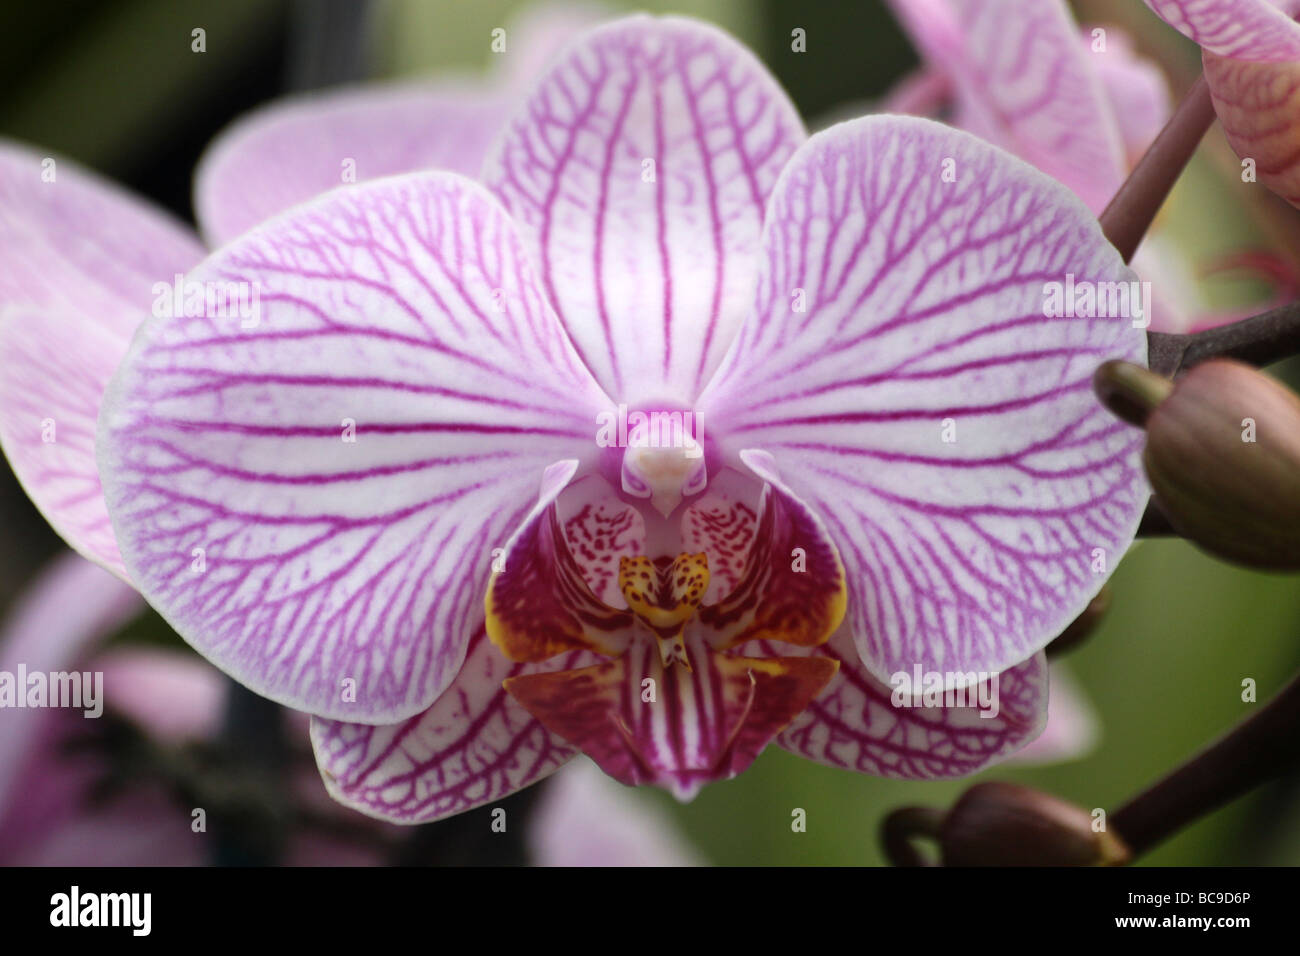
x,y
1081,105
402,497
1250,50
50,813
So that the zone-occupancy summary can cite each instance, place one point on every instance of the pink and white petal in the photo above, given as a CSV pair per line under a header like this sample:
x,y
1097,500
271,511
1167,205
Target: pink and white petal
x,y
54,367
640,168
79,261
855,724
925,319
476,744
311,496
72,243
70,606
1072,725
1136,88
1242,29
294,149
1023,82
585,818
171,696
1258,105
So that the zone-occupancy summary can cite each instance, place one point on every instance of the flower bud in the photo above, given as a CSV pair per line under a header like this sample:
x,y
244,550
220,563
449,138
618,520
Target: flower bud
x,y
1223,456
1003,824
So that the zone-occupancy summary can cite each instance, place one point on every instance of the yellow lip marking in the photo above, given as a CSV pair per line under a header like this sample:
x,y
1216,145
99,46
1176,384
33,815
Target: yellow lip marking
x,y
665,595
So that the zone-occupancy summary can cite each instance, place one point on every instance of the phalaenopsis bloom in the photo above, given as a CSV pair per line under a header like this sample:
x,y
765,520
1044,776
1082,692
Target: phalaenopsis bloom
x,y
391,495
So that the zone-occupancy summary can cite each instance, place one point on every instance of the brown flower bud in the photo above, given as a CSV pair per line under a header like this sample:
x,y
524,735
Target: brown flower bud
x,y
1223,456
1003,824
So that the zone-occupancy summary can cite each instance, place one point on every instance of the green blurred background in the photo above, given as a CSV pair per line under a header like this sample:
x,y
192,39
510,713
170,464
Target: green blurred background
x,y
115,86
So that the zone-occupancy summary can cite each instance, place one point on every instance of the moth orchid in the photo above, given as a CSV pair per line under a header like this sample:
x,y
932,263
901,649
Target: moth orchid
x,y
1251,54
1079,104
391,500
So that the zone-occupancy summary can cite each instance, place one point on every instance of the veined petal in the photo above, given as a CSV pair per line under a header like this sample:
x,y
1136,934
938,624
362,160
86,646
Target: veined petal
x,y
678,728
1024,82
640,169
311,491
475,745
71,605
294,149
79,259
924,405
54,367
1258,105
864,725
1241,29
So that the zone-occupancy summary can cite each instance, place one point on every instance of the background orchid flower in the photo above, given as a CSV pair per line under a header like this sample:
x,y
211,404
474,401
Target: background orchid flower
x,y
1081,107
297,147
469,345
1251,54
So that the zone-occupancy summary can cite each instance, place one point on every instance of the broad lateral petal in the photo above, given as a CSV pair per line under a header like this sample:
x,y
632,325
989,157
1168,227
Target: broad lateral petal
x,y
856,726
672,727
640,168
1241,29
924,405
54,367
294,149
538,602
310,491
1024,82
473,746
79,260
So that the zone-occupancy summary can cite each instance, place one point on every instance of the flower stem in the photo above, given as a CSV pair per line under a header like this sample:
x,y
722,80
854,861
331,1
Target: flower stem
x,y
899,830
1264,746
1130,213
1268,337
